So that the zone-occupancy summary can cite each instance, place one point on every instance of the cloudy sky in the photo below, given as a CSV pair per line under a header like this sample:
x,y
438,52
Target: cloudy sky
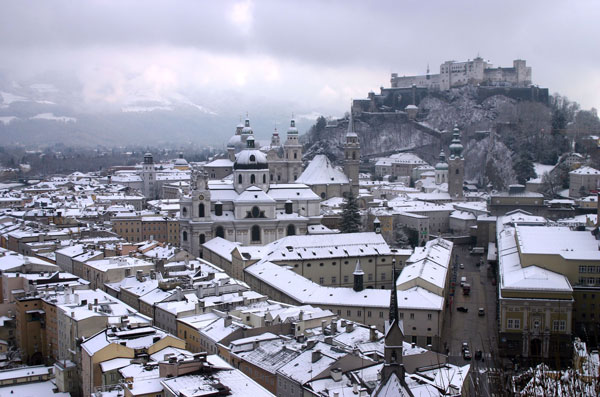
x,y
312,55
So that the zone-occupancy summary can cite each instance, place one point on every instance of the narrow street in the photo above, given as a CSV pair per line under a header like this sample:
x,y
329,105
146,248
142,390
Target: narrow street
x,y
478,331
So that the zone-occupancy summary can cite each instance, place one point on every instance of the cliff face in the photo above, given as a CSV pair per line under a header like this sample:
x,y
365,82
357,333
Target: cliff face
x,y
488,159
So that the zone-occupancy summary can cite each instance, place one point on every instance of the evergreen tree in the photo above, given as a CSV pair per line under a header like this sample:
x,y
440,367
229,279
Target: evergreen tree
x,y
350,222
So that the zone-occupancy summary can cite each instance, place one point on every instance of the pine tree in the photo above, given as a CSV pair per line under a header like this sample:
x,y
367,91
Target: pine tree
x,y
350,222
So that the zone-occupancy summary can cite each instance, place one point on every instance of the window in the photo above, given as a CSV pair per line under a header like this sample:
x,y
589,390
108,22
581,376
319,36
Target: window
x,y
348,313
429,316
382,276
359,313
555,325
321,280
264,178
184,236
252,178
370,276
321,264
255,212
412,316
380,314
220,232
184,211
201,210
333,280
401,315
429,340
339,312
562,325
240,179
345,279
291,230
368,313
202,239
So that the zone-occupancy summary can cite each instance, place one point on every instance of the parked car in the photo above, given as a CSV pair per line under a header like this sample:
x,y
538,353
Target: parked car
x,y
465,346
467,354
481,311
461,266
462,309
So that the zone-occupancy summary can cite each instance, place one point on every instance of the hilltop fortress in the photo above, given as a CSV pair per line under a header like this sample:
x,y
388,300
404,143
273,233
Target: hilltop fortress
x,y
476,71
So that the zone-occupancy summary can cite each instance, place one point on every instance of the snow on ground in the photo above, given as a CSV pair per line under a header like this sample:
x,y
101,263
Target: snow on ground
x,y
51,116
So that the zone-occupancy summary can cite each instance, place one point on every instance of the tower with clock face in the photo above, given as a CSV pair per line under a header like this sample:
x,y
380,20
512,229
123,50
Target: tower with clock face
x,y
196,220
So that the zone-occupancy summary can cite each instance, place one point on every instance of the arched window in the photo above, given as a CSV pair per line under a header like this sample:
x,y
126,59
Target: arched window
x,y
252,158
184,235
255,213
288,208
255,233
353,155
201,210
291,230
457,171
323,195
220,232
264,178
295,155
202,239
184,211
240,179
252,178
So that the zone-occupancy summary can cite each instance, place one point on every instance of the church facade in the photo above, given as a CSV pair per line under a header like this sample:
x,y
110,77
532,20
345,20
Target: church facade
x,y
256,206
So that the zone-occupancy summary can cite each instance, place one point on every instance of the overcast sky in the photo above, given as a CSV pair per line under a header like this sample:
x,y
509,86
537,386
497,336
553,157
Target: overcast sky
x,y
316,54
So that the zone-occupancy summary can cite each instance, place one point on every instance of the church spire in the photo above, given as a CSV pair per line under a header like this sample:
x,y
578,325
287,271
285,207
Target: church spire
x,y
393,296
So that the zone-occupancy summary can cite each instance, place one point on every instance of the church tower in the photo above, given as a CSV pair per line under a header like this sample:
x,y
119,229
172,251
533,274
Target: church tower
x,y
293,153
394,338
441,169
149,177
456,167
352,157
195,215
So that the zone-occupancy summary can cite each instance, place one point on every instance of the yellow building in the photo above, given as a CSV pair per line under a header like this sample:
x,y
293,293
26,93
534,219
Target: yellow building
x,y
120,342
535,300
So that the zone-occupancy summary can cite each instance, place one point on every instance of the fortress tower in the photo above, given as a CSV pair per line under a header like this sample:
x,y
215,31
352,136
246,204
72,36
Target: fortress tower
x,y
456,167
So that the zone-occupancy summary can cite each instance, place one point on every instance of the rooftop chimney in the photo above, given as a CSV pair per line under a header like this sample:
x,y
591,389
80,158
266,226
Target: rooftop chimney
x,y
316,356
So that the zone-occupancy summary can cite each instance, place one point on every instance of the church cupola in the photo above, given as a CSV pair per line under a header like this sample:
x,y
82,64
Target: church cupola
x,y
148,158
358,277
456,146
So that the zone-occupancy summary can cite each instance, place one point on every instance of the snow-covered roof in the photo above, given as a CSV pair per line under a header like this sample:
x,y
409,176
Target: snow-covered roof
x,y
585,171
320,171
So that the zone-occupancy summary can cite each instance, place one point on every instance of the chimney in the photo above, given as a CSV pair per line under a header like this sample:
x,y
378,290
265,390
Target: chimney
x,y
139,275
89,306
336,374
301,315
316,356
334,326
343,323
349,327
328,340
323,326
228,321
372,333
95,301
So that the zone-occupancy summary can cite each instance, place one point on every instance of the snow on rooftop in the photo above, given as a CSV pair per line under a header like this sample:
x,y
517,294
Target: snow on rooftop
x,y
320,171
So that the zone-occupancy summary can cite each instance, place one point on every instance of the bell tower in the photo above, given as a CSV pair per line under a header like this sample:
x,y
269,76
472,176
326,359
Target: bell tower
x,y
352,156
293,153
456,167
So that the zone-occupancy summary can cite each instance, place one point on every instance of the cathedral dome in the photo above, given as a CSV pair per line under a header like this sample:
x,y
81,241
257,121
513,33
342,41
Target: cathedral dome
x,y
250,158
235,141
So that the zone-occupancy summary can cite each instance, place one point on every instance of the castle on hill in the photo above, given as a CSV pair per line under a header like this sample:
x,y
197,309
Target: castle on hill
x,y
476,71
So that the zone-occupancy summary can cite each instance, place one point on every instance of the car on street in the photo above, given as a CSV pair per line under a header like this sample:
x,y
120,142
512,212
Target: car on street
x,y
467,354
461,266
462,309
481,311
465,346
